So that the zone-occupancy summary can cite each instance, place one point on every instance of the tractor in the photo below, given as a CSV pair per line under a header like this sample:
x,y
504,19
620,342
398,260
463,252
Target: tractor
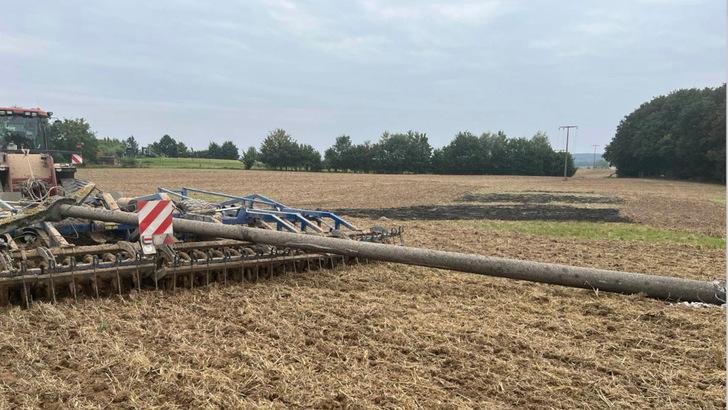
x,y
27,168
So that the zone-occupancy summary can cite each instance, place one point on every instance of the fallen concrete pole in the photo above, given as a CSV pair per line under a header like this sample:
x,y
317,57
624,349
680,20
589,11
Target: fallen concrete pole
x,y
659,287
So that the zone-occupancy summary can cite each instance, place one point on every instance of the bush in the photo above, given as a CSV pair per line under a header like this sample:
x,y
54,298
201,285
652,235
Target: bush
x,y
129,162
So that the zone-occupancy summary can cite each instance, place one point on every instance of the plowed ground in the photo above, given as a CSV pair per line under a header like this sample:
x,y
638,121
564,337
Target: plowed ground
x,y
388,335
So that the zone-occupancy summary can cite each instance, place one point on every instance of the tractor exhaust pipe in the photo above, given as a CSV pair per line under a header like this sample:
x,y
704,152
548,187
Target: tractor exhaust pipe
x,y
659,287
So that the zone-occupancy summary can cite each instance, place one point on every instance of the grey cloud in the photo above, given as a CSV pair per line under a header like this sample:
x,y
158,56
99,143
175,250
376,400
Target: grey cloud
x,y
237,69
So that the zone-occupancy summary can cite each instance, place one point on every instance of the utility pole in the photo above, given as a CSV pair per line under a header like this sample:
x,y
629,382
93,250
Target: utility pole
x,y
566,152
594,164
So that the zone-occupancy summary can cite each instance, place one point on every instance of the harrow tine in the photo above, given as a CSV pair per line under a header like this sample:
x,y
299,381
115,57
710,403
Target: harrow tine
x,y
175,262
193,261
242,268
53,285
154,274
95,264
226,258
138,272
23,272
50,260
136,256
118,277
192,274
73,278
207,267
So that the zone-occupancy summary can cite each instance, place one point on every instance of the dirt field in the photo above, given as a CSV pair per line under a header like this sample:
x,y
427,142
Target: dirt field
x,y
676,205
387,335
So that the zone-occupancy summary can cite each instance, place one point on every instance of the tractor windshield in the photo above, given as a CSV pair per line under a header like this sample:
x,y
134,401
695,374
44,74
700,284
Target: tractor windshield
x,y
23,131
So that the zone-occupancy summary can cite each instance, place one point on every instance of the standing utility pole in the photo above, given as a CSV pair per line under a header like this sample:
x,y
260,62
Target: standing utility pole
x,y
594,164
566,152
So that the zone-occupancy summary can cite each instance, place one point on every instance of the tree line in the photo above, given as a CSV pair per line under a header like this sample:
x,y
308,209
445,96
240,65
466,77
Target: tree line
x,y
279,151
411,152
65,135
682,135
169,147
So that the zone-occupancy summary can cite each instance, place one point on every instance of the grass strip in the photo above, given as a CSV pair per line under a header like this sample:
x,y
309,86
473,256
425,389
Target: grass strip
x,y
190,163
599,230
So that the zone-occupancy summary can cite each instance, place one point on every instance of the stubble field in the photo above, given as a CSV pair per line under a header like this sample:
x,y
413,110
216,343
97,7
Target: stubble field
x,y
388,335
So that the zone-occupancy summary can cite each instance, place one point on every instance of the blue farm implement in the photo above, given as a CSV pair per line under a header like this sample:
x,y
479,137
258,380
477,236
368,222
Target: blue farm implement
x,y
252,210
44,260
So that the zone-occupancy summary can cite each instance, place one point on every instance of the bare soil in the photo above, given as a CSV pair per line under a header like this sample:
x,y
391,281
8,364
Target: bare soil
x,y
387,335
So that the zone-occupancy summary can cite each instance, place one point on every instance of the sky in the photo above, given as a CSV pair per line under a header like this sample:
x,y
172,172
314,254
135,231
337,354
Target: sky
x,y
235,70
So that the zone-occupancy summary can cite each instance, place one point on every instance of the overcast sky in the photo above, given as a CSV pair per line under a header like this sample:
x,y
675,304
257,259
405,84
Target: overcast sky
x,y
234,70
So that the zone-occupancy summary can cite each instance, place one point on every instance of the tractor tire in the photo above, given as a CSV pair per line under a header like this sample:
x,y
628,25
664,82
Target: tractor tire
x,y
196,206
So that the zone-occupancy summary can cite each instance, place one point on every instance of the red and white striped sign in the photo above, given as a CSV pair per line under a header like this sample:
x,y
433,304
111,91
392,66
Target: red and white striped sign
x,y
155,221
77,158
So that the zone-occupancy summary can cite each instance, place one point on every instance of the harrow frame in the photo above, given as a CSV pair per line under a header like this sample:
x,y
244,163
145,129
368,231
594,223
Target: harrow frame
x,y
58,267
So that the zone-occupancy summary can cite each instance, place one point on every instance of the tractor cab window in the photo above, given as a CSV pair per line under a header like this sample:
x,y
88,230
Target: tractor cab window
x,y
21,130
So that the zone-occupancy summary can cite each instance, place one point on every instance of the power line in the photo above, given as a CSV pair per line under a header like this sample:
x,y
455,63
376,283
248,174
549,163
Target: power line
x,y
566,152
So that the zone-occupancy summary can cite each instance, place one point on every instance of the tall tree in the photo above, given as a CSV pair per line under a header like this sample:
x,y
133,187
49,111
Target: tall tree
x,y
228,150
64,135
681,134
166,147
397,153
539,150
362,157
278,150
249,157
214,150
495,153
498,155
420,152
462,156
182,150
339,156
309,158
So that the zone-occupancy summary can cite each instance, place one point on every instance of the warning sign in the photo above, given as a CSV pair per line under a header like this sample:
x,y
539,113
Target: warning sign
x,y
155,223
